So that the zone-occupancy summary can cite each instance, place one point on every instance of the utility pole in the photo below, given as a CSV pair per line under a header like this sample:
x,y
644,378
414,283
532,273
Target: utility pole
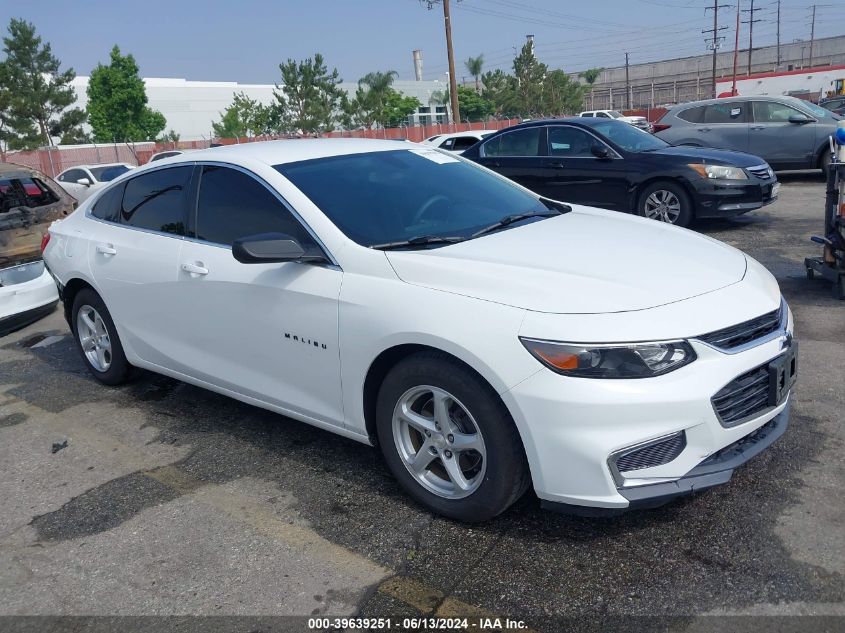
x,y
453,84
778,53
812,36
736,50
750,22
627,85
715,40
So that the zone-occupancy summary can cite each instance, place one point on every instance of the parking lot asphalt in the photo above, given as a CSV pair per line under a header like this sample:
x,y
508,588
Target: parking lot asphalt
x,y
168,499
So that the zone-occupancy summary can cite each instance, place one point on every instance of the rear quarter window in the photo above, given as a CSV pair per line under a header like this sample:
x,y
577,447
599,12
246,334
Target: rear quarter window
x,y
693,115
107,206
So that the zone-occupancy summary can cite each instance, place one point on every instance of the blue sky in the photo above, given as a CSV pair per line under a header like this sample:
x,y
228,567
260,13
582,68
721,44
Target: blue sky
x,y
244,40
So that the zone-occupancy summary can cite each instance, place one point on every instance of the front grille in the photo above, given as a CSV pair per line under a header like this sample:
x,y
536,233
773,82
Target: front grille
x,y
661,452
746,332
763,172
744,397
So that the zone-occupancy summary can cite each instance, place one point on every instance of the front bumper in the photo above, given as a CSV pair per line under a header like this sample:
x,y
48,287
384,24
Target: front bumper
x,y
572,428
722,198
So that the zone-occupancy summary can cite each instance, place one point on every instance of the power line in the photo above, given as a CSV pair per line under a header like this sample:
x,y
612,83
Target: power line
x,y
450,53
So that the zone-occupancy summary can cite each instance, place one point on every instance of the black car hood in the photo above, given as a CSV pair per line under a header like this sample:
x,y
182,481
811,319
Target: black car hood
x,y
706,155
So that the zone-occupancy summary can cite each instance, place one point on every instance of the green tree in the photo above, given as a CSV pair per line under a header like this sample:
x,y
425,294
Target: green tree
x,y
591,75
117,103
244,117
38,92
530,74
398,107
5,118
309,99
500,92
472,105
171,136
562,95
474,67
372,94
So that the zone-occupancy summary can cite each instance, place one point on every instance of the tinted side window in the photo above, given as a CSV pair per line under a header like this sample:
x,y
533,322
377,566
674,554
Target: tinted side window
x,y
73,175
463,142
570,141
232,205
523,142
732,112
693,115
447,144
772,112
107,206
157,200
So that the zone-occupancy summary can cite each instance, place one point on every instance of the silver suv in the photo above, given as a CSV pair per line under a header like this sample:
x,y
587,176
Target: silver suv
x,y
788,133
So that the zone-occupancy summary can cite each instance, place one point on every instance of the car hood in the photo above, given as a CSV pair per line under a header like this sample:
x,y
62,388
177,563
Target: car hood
x,y
585,261
706,155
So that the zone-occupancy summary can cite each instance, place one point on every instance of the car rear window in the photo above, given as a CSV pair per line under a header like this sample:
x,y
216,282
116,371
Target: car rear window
x,y
693,115
24,192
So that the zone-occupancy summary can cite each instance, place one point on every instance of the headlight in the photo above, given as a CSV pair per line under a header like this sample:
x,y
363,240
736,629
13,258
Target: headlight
x,y
636,360
720,172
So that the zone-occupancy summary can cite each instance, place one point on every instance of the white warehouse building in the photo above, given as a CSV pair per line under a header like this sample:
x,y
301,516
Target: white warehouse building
x,y
191,106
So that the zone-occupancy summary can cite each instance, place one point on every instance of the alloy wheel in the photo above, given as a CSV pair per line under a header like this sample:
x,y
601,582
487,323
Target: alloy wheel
x,y
663,205
439,442
94,338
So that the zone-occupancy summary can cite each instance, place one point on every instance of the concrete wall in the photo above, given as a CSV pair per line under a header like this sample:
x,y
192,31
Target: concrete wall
x,y
690,78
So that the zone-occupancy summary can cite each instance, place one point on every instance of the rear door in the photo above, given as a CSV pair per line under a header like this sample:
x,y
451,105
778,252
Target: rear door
x,y
517,155
573,174
725,126
782,144
133,252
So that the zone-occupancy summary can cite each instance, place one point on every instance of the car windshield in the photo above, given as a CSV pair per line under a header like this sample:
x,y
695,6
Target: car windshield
x,y
628,137
108,173
392,196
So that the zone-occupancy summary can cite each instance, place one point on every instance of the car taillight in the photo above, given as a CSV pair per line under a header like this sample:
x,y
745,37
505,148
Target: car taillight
x,y
45,239
659,127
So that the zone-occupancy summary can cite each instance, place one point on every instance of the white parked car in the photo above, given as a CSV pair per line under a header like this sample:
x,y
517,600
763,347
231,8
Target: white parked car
x,y
637,121
458,142
84,180
486,338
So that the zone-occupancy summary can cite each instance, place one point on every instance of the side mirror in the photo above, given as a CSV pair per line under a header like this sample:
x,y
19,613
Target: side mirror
x,y
799,118
267,248
600,151
84,181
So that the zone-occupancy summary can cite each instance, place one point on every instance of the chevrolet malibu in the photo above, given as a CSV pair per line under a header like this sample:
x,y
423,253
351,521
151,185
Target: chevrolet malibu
x,y
486,338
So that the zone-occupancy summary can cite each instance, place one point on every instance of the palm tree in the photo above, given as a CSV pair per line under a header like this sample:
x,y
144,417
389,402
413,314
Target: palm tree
x,y
373,89
474,67
590,76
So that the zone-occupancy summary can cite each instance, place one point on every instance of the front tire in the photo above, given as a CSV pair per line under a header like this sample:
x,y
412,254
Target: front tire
x,y
97,340
448,438
666,201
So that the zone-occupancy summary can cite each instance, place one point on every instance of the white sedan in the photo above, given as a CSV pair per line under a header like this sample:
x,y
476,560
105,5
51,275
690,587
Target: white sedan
x,y
458,142
485,338
84,180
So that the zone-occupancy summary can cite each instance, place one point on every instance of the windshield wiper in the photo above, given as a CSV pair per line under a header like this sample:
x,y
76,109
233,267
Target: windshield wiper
x,y
420,240
516,217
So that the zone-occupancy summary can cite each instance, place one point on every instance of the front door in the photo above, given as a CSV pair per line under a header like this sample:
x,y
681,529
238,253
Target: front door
x,y
782,144
572,173
267,331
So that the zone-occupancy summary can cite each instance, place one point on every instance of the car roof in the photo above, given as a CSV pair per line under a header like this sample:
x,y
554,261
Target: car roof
x,y
570,120
97,165
690,104
291,150
466,133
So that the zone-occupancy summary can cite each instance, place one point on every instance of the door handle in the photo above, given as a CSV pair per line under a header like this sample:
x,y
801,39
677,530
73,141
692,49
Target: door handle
x,y
704,129
106,249
558,164
195,269
758,127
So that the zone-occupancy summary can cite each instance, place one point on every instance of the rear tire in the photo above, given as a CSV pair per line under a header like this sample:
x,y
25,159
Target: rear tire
x,y
448,438
666,201
97,340
824,161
